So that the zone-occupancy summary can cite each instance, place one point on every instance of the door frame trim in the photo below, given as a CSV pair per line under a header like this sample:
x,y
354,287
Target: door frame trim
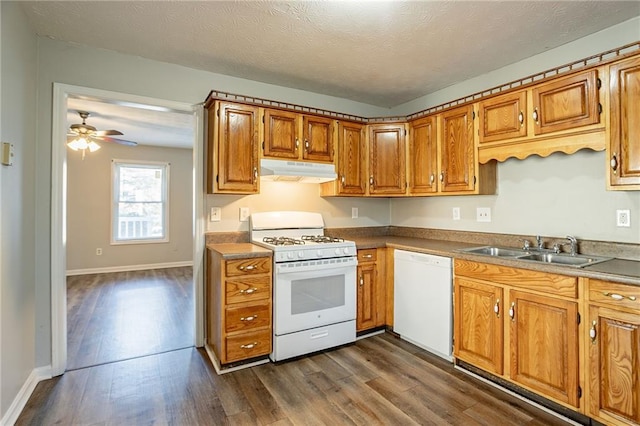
x,y
61,93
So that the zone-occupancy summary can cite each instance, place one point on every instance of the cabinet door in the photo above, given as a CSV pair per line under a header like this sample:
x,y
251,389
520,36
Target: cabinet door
x,y
367,297
351,159
503,117
614,365
566,103
624,145
457,162
423,161
387,159
234,156
318,138
544,345
281,134
478,324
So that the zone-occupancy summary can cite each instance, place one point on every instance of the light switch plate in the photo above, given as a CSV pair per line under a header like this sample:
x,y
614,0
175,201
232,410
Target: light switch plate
x,y
623,218
456,213
354,212
216,214
7,154
244,214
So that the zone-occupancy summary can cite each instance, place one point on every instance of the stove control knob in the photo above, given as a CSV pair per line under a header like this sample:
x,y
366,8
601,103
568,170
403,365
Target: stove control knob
x,y
300,254
320,253
346,250
338,251
290,255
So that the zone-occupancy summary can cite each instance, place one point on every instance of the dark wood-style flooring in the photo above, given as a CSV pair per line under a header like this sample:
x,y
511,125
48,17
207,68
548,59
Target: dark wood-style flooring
x,y
121,315
380,380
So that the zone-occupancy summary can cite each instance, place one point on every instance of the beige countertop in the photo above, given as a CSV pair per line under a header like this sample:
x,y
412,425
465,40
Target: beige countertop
x,y
617,270
239,250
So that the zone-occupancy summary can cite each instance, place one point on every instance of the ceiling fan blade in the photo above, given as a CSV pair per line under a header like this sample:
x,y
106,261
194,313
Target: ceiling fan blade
x,y
118,141
108,133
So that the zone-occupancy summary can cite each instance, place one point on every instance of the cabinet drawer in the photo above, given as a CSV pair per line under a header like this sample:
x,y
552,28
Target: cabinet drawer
x,y
559,285
253,265
248,317
248,345
247,289
614,294
368,255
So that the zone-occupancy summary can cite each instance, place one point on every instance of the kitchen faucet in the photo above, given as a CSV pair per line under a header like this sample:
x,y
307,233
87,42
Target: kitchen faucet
x,y
539,242
574,244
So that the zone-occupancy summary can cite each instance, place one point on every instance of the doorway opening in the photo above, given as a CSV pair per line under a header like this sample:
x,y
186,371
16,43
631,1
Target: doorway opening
x,y
132,298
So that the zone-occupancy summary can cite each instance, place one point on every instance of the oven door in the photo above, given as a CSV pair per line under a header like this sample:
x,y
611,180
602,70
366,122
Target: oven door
x,y
314,293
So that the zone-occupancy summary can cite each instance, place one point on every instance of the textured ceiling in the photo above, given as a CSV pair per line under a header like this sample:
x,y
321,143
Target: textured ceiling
x,y
381,53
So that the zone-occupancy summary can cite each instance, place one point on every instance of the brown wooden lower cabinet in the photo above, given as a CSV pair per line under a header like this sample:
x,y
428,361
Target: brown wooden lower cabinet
x,y
528,337
370,280
613,352
238,306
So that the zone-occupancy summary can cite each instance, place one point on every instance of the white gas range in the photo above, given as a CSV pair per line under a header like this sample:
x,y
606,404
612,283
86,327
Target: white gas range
x,y
314,283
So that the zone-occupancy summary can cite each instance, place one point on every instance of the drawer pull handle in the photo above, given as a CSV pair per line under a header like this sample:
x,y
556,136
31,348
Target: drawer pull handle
x,y
361,281
512,311
535,115
593,332
249,291
367,256
616,296
496,308
249,345
249,318
614,163
521,118
247,268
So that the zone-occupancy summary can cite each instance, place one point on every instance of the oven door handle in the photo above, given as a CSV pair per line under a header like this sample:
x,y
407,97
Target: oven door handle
x,y
311,272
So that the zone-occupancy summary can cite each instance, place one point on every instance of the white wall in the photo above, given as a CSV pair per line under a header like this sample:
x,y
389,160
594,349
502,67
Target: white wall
x,y
555,196
89,209
17,246
102,69
336,211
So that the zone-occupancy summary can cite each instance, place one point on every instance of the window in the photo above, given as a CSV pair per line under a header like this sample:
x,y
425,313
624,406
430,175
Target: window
x,y
140,204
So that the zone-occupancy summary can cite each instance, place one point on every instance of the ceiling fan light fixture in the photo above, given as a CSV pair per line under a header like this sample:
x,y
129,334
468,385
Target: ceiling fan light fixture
x,y
78,143
93,147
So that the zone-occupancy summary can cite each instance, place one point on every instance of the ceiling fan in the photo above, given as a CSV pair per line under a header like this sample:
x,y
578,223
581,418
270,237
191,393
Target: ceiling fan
x,y
83,136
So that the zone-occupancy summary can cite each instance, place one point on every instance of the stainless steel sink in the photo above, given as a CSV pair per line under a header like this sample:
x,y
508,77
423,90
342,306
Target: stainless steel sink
x,y
496,251
578,261
564,259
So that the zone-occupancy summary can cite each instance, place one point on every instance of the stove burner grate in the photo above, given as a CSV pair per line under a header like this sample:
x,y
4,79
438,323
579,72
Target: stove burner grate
x,y
322,239
282,241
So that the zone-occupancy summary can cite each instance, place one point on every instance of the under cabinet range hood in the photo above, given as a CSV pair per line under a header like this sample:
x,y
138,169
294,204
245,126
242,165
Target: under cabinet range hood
x,y
296,171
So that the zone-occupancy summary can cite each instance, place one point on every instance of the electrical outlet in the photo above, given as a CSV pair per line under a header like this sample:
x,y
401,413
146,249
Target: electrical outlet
x,y
456,213
244,214
354,212
216,214
623,218
483,214
98,252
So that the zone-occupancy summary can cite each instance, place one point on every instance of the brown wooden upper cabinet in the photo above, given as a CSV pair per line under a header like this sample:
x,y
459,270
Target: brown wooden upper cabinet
x,y
387,159
289,135
566,103
457,150
624,143
503,117
423,156
232,155
352,173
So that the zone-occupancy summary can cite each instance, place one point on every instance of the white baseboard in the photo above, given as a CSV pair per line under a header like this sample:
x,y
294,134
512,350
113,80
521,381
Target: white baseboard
x,y
37,375
126,268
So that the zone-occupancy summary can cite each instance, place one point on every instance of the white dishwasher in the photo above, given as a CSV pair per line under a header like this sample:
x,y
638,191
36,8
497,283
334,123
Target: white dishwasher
x,y
422,301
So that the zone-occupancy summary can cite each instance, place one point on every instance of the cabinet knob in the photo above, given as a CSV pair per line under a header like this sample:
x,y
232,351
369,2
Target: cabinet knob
x,y
512,311
371,180
342,180
297,143
255,174
496,308
535,115
593,333
521,118
361,281
249,346
441,176
432,179
616,296
249,318
306,144
614,163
